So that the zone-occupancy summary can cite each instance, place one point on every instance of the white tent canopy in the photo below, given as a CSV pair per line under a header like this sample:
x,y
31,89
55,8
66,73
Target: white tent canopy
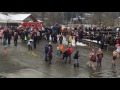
x,y
5,18
19,17
13,18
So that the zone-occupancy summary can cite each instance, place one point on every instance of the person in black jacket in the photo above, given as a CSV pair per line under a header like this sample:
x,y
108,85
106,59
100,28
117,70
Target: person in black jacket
x,y
15,39
9,37
50,54
48,36
35,40
76,56
65,55
61,38
55,38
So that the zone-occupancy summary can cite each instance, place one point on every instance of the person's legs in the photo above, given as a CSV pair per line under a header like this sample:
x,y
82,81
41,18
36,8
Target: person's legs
x,y
5,50
8,40
29,47
34,45
16,42
75,63
100,62
70,58
50,58
66,59
46,57
93,65
113,61
38,39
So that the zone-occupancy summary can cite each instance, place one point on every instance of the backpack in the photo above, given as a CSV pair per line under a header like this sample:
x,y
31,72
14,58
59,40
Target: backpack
x,y
75,56
69,51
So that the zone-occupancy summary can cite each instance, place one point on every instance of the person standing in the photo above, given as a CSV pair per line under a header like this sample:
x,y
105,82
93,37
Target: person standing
x,y
93,59
65,55
76,57
70,39
48,35
5,46
99,56
9,38
1,36
46,52
102,42
61,38
15,38
30,43
61,49
69,52
58,53
55,38
35,40
115,55
50,54
76,38
38,36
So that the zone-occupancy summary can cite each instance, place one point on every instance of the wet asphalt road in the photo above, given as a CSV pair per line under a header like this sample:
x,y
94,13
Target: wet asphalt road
x,y
21,64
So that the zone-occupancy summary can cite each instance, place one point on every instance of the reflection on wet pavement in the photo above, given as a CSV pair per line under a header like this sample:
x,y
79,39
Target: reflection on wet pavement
x,y
19,64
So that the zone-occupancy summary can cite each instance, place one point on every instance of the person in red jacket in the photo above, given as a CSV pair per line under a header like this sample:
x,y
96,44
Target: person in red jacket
x,y
69,52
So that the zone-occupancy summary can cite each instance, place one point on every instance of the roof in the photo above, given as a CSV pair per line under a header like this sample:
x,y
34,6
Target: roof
x,y
19,17
5,17
13,18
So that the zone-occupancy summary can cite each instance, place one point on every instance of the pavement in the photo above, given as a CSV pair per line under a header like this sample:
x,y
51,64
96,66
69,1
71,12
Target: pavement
x,y
19,63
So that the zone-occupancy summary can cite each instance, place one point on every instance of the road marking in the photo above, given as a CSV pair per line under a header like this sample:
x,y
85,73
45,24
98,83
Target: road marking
x,y
32,53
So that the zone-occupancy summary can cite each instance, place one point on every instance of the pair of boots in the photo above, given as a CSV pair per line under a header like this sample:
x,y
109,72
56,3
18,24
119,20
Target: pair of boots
x,y
76,65
113,64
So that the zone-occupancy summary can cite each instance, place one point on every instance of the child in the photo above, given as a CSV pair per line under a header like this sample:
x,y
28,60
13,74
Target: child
x,y
58,53
61,49
76,56
30,42
46,52
65,55
5,46
115,54
99,56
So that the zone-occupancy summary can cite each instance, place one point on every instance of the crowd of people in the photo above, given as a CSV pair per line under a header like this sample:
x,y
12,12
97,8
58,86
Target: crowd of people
x,y
32,36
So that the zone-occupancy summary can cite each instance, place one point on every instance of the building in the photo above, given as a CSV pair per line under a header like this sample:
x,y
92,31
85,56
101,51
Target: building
x,y
15,19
